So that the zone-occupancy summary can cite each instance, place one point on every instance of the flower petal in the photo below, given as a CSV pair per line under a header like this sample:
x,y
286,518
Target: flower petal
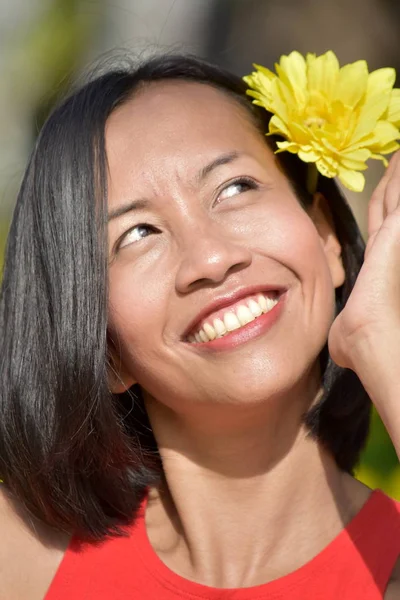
x,y
300,134
352,83
381,158
358,154
264,71
260,86
322,73
390,148
278,127
292,72
393,112
384,133
354,165
355,159
381,81
308,154
289,146
281,100
326,169
377,99
353,180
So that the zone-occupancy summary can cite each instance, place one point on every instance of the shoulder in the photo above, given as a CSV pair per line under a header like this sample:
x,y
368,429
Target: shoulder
x,y
30,552
393,588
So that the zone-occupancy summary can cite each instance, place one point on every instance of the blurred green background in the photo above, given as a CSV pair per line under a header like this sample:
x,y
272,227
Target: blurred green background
x,y
45,45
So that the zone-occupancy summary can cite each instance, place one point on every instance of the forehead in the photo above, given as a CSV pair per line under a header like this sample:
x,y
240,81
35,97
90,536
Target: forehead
x,y
166,118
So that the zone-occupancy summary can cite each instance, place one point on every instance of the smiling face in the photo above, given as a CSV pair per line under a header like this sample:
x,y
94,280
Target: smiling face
x,y
208,242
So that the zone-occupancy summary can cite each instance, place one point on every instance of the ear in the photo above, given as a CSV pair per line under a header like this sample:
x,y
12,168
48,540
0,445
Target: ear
x,y
119,380
322,219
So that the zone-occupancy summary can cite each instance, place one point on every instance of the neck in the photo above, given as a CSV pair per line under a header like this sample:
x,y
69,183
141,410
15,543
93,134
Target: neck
x,y
245,499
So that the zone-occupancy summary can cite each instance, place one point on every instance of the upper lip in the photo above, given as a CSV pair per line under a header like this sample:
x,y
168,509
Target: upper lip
x,y
227,299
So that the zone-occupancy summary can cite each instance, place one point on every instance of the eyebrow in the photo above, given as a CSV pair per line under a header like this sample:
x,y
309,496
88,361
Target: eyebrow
x,y
142,203
125,208
224,159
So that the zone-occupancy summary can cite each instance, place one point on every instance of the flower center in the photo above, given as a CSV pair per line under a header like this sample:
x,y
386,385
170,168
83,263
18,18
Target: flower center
x,y
312,122
318,111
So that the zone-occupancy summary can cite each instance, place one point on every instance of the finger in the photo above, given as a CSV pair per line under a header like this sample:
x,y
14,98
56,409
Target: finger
x,y
375,207
393,164
381,201
370,243
392,192
392,197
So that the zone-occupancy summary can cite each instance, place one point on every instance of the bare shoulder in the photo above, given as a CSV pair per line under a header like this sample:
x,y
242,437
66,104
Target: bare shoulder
x,y
393,589
30,552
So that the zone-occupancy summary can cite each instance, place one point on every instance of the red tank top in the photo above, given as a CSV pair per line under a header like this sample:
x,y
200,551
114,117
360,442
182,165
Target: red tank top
x,y
356,565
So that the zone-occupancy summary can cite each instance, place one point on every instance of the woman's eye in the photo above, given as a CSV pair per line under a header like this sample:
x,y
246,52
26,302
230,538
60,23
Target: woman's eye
x,y
236,187
136,234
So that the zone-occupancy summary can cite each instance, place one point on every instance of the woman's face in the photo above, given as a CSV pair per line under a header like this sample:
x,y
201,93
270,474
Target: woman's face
x,y
205,233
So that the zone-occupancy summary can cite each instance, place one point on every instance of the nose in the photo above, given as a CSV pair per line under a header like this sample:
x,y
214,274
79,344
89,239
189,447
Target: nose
x,y
208,257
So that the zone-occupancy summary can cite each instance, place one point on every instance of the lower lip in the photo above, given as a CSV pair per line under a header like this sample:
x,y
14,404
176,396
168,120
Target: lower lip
x,y
248,332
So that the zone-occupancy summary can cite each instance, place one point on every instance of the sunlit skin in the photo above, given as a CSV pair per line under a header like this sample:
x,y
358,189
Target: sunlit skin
x,y
207,245
228,424
248,497
365,336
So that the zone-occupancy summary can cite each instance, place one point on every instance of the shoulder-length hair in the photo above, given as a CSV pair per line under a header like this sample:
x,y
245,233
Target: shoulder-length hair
x,y
79,457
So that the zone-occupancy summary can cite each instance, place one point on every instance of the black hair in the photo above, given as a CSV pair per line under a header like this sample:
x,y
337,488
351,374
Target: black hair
x,y
77,456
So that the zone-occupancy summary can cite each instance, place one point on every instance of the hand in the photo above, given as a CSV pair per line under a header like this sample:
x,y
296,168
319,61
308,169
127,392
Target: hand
x,y
365,336
371,316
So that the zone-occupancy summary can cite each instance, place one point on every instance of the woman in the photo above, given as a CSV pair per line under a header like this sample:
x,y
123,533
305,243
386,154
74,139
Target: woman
x,y
168,292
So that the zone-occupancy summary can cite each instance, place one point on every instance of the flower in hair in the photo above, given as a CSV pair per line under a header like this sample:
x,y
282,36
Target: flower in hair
x,y
335,118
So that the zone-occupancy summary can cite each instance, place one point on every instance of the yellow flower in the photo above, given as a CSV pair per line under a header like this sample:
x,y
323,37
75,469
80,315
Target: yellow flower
x,y
336,117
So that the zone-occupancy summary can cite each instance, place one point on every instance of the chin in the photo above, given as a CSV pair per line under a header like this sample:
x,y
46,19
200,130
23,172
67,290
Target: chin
x,y
272,385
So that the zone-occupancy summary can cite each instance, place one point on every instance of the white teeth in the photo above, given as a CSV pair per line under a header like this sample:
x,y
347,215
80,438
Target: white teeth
x,y
210,331
219,327
262,302
255,308
231,321
244,314
234,319
203,336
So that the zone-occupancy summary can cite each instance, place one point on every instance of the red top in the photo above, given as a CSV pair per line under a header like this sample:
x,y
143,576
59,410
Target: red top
x,y
356,565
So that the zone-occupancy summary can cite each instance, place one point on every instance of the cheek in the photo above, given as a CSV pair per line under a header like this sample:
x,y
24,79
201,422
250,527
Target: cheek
x,y
285,245
287,235
293,241
136,309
